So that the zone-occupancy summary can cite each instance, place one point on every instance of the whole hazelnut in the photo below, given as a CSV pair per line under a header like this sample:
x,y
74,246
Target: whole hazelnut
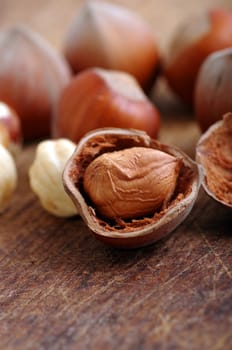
x,y
32,76
112,37
130,189
98,98
213,88
10,129
45,175
193,41
214,153
8,177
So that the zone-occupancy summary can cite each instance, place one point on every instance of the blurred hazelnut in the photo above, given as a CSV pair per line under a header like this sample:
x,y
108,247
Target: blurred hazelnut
x,y
8,177
10,129
194,40
32,76
112,37
213,88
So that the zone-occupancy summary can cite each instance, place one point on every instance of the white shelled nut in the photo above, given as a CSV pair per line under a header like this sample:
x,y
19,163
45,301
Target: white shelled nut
x,y
8,177
45,175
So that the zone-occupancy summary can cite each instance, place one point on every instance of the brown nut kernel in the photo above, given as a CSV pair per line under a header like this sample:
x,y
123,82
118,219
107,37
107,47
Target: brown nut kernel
x,y
214,153
145,228
136,181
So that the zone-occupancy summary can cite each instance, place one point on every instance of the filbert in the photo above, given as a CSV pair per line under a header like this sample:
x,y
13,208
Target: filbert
x,y
10,129
194,40
8,177
213,88
214,153
45,175
98,98
112,37
132,182
130,189
32,76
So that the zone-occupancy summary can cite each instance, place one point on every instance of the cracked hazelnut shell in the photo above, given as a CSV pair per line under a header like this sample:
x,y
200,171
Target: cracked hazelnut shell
x,y
140,231
214,153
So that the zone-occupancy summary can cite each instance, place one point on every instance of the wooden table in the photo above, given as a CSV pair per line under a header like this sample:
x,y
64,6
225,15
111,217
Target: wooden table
x,y
62,289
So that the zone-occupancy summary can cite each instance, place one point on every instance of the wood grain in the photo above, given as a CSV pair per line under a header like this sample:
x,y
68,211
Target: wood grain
x,y
62,289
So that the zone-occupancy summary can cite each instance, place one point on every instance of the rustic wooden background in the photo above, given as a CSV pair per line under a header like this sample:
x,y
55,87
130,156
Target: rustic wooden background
x,y
62,289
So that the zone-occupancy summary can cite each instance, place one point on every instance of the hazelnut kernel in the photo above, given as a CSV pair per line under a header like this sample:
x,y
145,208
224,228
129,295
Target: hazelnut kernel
x,y
131,183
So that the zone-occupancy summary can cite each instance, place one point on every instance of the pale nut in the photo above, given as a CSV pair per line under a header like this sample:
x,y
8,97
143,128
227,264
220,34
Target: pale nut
x,y
132,182
4,136
164,214
8,177
10,129
45,175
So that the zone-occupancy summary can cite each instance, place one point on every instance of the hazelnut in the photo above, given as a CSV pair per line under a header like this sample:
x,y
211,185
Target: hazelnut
x,y
10,129
213,87
214,153
8,177
112,37
130,189
45,175
136,181
98,98
193,41
32,76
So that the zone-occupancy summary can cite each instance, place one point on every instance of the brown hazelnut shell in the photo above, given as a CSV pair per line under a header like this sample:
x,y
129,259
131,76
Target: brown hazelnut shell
x,y
214,153
212,97
139,232
194,40
112,37
32,75
98,98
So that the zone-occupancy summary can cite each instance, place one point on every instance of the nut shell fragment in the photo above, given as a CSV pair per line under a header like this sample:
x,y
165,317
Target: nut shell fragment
x,y
129,233
214,153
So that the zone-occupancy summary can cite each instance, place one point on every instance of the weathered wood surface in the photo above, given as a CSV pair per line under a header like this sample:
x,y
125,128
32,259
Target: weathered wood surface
x,y
62,289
